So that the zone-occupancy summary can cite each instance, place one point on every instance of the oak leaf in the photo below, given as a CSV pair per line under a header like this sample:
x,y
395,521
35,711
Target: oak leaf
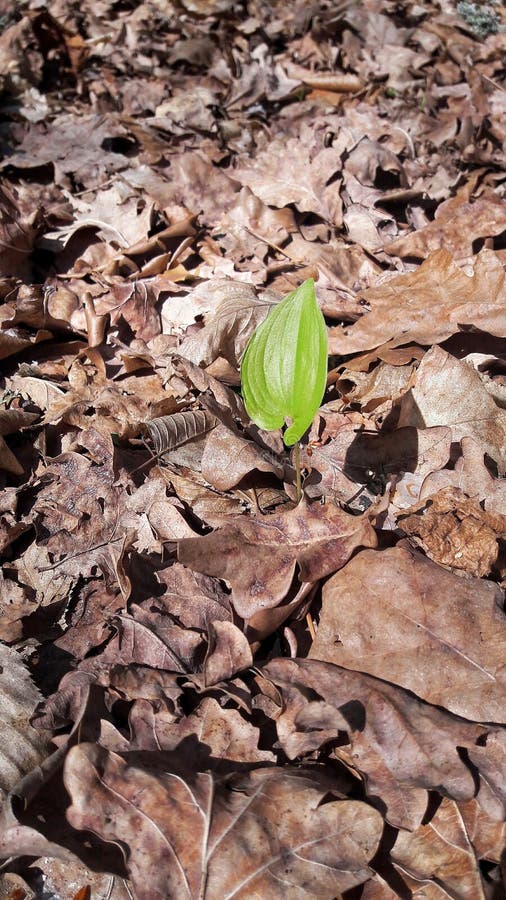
x,y
206,835
258,556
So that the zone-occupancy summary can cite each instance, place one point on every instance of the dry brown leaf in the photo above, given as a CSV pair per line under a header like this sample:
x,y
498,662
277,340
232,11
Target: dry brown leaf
x,y
227,332
399,616
228,457
228,653
454,531
457,224
258,556
440,851
487,836
17,237
491,759
22,748
450,392
354,458
308,182
400,746
471,476
210,737
206,838
195,599
399,307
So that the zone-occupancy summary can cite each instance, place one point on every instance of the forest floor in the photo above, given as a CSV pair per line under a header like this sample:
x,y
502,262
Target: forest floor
x,y
208,689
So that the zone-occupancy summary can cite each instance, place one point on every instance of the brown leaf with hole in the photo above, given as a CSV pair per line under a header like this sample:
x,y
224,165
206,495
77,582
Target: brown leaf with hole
x,y
400,746
454,531
401,617
205,835
258,556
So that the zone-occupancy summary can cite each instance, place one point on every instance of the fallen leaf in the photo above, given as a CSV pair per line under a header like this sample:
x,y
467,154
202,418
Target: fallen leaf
x,y
487,836
454,531
228,457
228,330
450,392
258,556
457,224
228,653
399,616
400,746
205,837
23,748
440,851
471,476
399,306
210,738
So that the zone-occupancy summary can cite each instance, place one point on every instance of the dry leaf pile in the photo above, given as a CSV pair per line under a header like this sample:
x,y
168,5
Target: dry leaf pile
x,y
208,690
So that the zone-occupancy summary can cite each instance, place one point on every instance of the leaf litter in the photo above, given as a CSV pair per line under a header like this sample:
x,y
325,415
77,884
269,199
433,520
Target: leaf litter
x,y
208,689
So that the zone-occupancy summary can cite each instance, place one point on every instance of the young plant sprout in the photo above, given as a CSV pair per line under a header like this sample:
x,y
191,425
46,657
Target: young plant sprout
x,y
284,368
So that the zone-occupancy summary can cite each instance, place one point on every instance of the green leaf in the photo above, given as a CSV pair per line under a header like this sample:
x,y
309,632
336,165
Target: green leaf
x,y
284,368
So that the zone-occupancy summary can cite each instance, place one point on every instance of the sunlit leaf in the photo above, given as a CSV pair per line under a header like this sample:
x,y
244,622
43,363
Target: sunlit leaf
x,y
284,368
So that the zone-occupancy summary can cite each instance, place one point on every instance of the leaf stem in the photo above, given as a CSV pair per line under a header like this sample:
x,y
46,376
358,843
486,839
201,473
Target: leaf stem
x,y
298,481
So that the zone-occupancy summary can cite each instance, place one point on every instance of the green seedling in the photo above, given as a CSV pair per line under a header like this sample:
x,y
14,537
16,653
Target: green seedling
x,y
284,368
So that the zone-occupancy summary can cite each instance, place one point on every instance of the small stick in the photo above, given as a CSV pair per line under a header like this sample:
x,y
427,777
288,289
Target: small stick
x,y
298,482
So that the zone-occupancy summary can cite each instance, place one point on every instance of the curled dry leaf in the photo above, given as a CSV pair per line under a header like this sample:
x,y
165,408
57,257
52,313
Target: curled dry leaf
x,y
454,531
205,835
401,617
258,556
400,746
168,432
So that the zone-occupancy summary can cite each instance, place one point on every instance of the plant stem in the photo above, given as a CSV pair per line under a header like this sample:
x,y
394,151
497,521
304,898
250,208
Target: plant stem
x,y
298,481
